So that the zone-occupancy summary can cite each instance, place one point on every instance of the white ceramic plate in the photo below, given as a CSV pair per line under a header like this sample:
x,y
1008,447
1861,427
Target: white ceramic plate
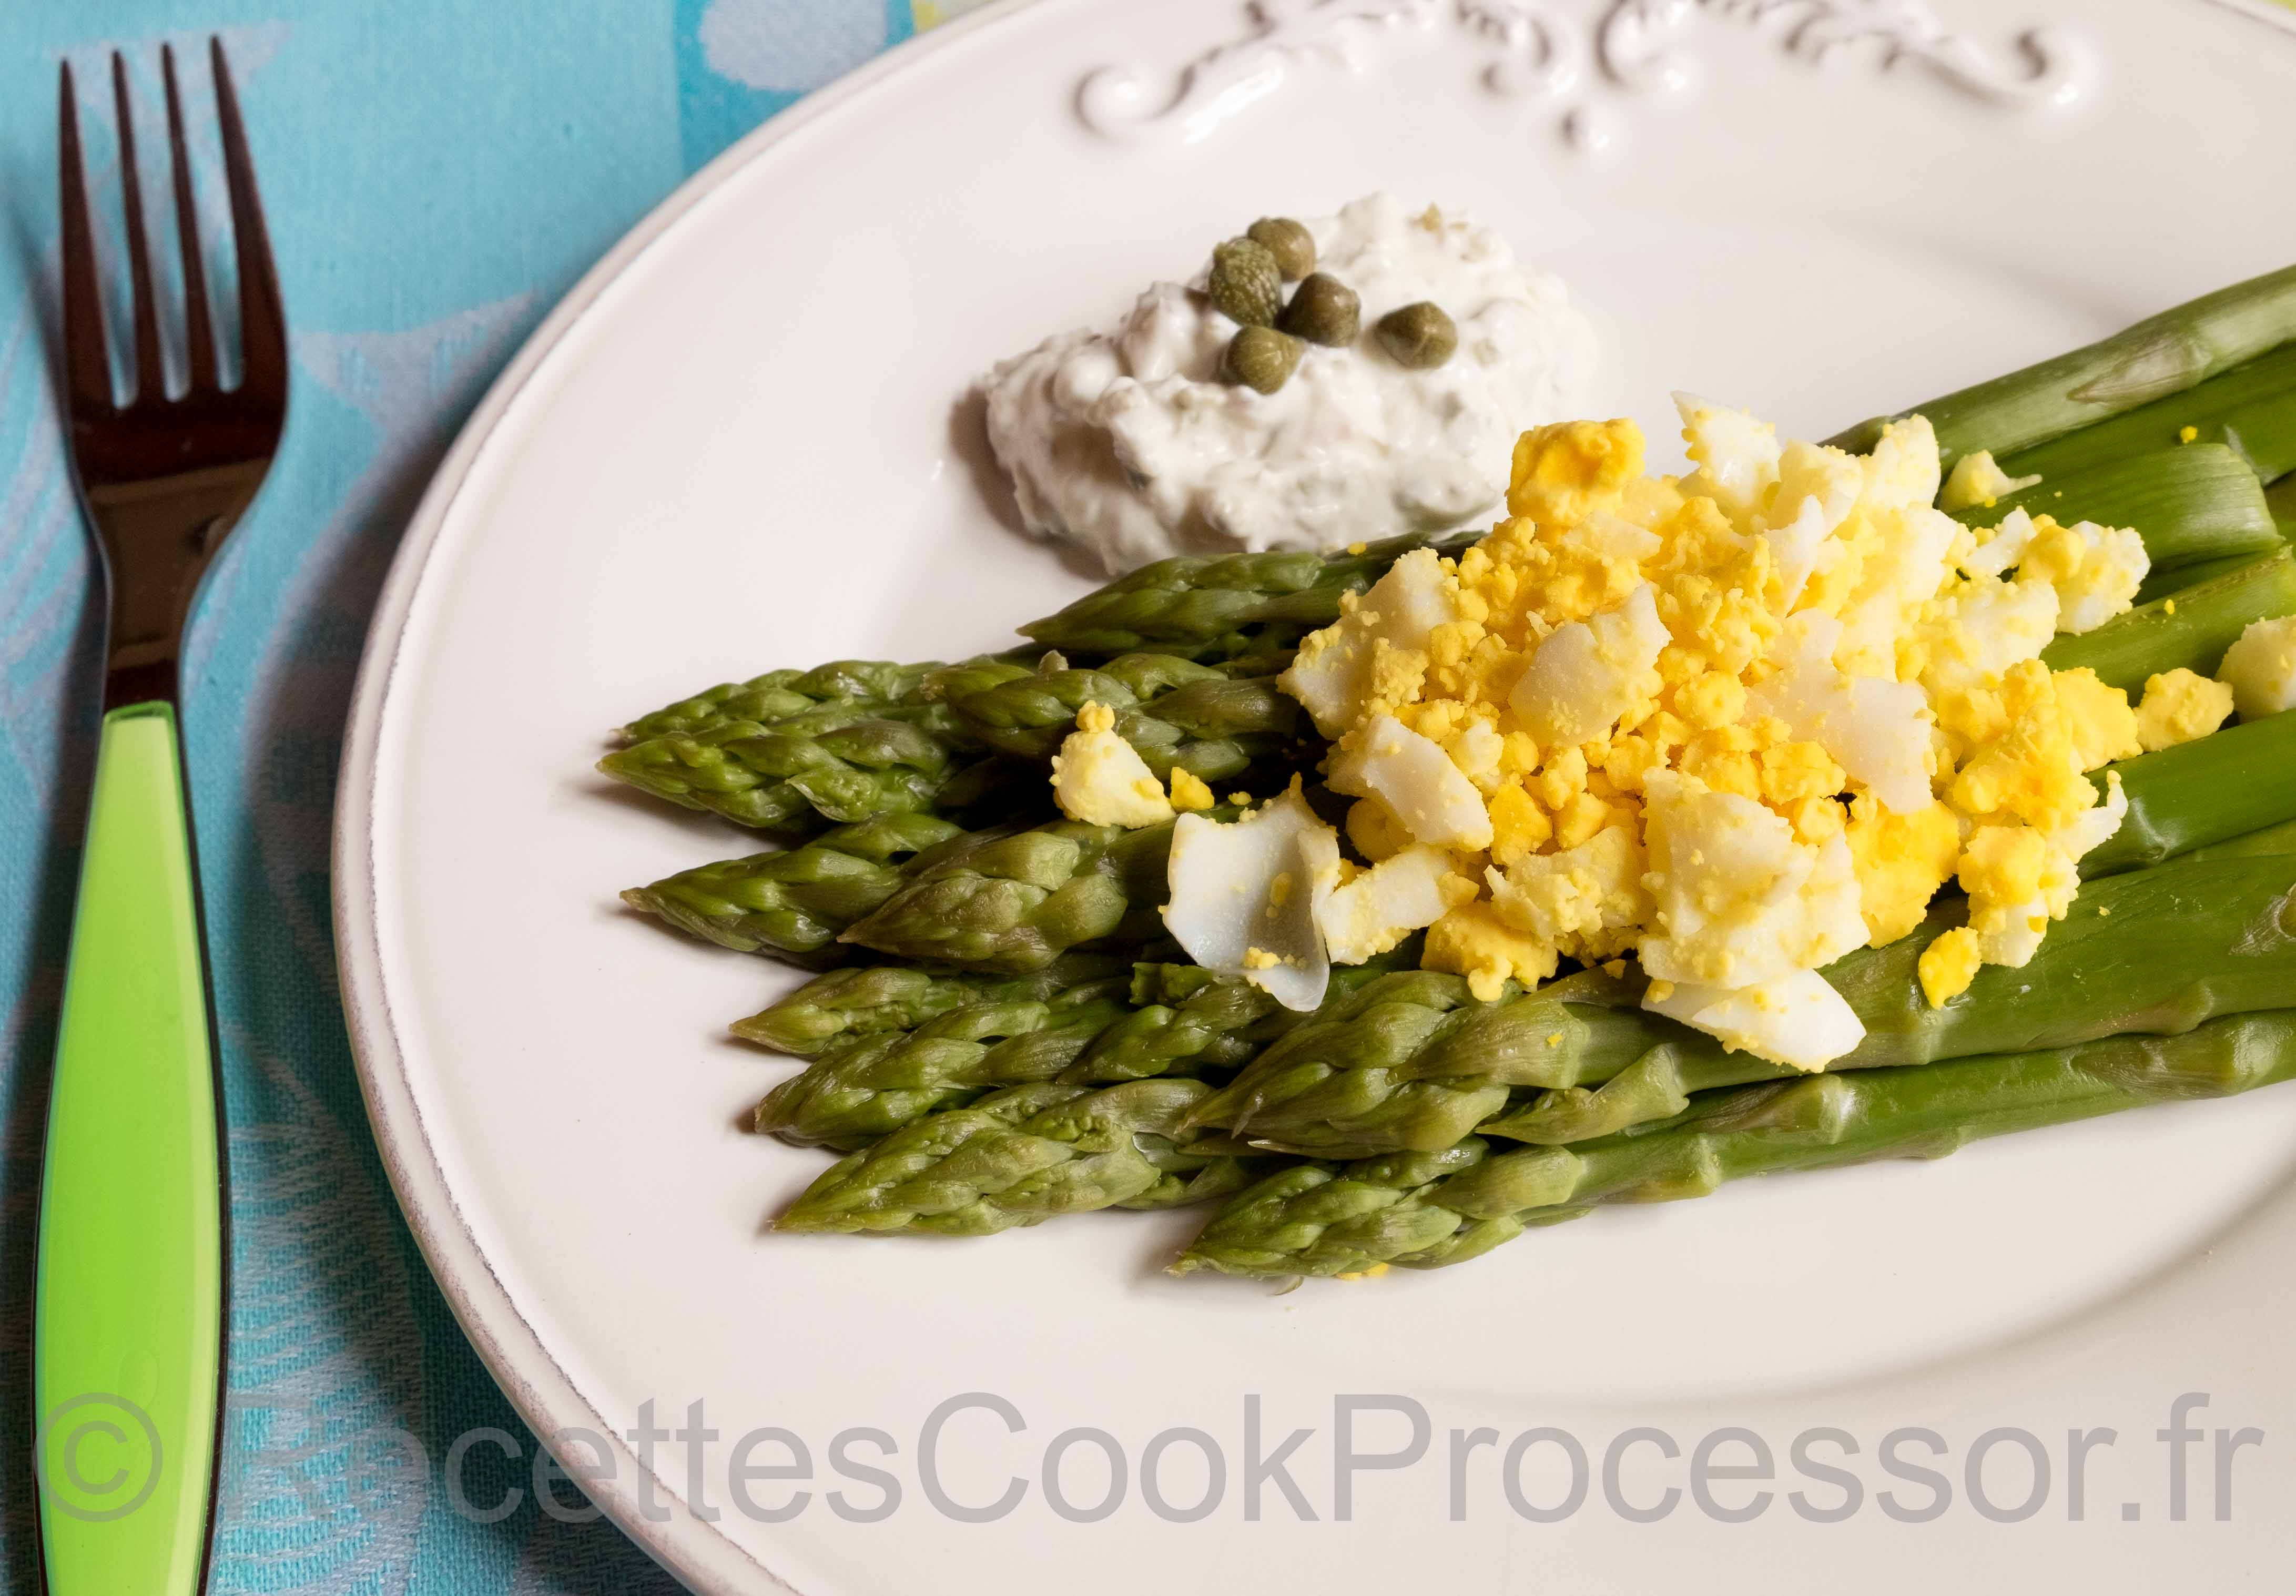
x,y
738,445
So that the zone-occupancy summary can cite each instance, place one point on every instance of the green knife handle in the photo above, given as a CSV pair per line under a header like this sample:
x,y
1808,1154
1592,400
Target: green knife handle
x,y
129,1300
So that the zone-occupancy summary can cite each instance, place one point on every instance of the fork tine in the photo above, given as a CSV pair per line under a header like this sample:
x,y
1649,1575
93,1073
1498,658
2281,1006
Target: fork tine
x,y
198,333
150,374
87,369
263,321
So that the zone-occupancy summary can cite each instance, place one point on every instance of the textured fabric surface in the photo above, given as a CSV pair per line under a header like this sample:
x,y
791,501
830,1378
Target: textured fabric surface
x,y
436,172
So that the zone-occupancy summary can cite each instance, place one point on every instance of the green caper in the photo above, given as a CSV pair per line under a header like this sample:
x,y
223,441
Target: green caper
x,y
1263,359
1324,310
1420,336
1246,283
1293,245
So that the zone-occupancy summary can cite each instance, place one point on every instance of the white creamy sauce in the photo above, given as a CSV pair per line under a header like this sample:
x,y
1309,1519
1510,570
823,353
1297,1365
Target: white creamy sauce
x,y
1131,443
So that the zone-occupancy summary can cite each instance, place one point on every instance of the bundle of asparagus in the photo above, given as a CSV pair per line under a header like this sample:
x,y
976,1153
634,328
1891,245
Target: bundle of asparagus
x,y
1002,1032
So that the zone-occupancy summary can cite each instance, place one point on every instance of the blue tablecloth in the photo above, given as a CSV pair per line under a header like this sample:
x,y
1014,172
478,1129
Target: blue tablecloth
x,y
436,173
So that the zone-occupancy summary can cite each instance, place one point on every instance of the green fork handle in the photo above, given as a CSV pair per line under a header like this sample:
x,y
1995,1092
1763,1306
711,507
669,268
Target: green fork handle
x,y
127,1348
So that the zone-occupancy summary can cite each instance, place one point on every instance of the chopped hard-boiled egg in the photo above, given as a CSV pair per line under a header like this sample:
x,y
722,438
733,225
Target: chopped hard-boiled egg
x,y
1381,906
2102,724
1473,941
1901,859
1247,896
1737,456
1948,965
1585,675
1741,900
1876,729
2020,878
1099,779
1817,490
1797,1020
2179,706
1415,781
2260,668
2096,570
1377,647
1584,902
1976,480
1189,791
1735,724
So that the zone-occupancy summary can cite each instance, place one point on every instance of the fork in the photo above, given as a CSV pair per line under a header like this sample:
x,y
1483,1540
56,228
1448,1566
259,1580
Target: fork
x,y
127,1332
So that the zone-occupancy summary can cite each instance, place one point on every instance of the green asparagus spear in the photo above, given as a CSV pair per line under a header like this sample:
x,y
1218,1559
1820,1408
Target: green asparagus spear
x,y
2108,969
873,999
2251,409
1219,606
787,778
1019,1156
1377,1070
1417,1212
780,693
2170,583
1184,1016
1015,903
2280,498
2189,503
2162,355
2261,844
795,903
870,1087
2214,788
1172,710
1182,1020
2191,628
1410,1061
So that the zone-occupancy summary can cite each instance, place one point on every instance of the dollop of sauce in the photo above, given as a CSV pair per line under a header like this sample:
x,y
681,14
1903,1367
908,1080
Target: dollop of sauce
x,y
1134,445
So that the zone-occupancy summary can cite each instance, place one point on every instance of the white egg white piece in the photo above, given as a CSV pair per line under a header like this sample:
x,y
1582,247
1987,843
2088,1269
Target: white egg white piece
x,y
1742,900
1476,749
2093,827
1332,675
1609,538
1797,1020
2112,568
1418,782
1877,730
1584,675
1982,630
2260,668
1901,575
1736,455
1817,488
1902,472
2000,549
1246,896
1405,893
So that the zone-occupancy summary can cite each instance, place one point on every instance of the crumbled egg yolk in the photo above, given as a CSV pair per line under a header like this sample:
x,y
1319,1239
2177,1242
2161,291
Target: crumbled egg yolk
x,y
2260,668
2179,706
1976,480
1948,964
1100,778
1737,722
1189,792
